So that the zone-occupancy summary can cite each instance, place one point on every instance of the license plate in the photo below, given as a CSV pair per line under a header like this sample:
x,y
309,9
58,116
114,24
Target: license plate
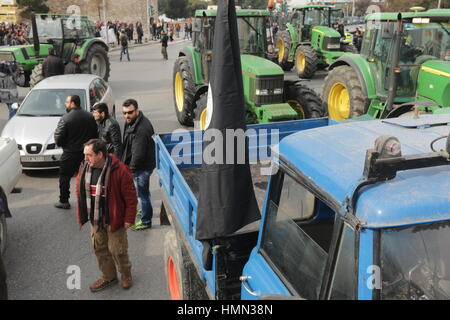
x,y
36,158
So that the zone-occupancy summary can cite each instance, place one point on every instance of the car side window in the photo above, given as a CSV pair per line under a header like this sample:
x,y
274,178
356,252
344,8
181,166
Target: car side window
x,y
101,88
93,97
297,235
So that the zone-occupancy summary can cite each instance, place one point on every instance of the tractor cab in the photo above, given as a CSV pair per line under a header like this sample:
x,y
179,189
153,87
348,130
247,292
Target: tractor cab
x,y
423,38
65,33
305,18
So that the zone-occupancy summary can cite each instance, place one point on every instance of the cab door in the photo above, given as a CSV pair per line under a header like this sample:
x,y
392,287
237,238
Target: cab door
x,y
291,257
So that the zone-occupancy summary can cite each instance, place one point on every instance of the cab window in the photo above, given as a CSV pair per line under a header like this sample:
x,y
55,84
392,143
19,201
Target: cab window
x,y
297,235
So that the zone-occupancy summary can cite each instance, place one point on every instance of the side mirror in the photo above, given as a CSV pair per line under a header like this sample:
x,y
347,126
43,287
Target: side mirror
x,y
15,106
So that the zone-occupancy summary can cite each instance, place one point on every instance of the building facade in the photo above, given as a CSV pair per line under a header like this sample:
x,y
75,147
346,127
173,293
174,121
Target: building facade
x,y
130,11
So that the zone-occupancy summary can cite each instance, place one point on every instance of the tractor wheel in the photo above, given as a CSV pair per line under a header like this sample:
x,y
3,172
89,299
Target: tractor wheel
x,y
3,234
183,91
183,282
200,111
303,100
305,62
283,43
343,95
96,62
36,75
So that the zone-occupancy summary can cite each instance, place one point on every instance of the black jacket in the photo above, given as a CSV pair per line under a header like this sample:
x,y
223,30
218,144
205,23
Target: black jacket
x,y
138,145
109,131
75,129
72,68
52,66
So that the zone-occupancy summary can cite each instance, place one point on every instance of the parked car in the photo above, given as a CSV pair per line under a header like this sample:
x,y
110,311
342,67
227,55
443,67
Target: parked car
x,y
10,172
34,125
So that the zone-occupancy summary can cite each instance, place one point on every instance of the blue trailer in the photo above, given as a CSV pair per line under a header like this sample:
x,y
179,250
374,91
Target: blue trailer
x,y
357,210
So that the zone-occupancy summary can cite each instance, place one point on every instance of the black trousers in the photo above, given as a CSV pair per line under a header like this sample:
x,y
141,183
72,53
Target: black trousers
x,y
69,165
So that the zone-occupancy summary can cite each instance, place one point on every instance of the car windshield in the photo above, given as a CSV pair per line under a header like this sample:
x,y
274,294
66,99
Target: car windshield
x,y
415,262
252,35
49,103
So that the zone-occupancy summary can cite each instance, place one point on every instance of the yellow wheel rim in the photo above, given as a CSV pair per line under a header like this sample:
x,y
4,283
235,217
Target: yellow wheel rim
x,y
298,108
300,61
203,120
280,47
339,102
179,92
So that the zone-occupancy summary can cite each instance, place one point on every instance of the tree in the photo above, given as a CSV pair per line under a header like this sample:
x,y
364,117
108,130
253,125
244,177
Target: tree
x,y
174,9
30,6
196,5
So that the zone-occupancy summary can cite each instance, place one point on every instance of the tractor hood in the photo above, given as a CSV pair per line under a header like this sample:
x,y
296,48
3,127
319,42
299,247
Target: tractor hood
x,y
24,55
434,82
326,31
255,66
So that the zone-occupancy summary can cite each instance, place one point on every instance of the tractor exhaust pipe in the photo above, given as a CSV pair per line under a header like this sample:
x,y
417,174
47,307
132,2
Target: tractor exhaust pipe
x,y
395,71
37,45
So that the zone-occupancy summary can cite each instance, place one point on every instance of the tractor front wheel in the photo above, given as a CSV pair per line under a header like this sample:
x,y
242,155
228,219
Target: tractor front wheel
x,y
303,100
36,75
343,94
305,62
97,62
283,43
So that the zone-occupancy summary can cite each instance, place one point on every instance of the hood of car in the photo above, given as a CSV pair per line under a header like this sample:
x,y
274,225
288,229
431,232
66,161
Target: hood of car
x,y
26,130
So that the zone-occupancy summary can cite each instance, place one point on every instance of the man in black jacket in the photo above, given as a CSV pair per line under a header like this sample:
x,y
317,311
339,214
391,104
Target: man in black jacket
x,y
74,129
73,67
108,129
52,65
139,155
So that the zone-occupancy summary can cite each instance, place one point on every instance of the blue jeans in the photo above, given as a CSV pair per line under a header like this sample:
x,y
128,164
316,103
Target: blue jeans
x,y
12,112
124,52
142,184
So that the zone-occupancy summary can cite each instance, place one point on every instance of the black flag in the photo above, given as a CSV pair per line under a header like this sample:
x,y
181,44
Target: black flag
x,y
227,200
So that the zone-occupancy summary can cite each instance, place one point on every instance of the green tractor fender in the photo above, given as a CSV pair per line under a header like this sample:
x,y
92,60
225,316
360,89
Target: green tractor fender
x,y
84,49
362,68
194,60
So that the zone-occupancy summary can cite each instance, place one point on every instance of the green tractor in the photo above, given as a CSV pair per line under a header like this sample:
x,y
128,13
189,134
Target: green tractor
x,y
68,35
268,97
404,64
309,41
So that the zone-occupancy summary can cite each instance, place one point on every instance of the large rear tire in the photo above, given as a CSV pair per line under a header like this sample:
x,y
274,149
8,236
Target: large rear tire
x,y
343,95
182,280
36,75
305,62
283,43
303,100
183,91
97,62
200,111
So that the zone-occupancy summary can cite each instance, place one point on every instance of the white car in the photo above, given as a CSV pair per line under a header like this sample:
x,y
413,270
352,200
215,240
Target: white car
x,y
10,172
34,125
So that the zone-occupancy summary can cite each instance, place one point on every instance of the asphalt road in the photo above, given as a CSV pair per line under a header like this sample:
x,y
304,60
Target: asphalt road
x,y
43,242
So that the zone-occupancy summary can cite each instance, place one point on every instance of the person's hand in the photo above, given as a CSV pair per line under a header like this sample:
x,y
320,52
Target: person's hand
x,y
128,225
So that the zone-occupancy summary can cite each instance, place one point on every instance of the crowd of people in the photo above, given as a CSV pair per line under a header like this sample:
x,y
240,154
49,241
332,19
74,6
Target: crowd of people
x,y
13,34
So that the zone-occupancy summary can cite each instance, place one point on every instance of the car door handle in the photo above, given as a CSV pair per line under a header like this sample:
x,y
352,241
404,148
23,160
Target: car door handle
x,y
244,284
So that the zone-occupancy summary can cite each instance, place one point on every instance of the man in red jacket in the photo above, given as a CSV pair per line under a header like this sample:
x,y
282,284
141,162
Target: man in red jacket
x,y
106,197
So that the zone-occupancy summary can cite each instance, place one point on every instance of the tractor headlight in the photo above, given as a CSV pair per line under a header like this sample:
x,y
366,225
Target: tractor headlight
x,y
262,92
278,91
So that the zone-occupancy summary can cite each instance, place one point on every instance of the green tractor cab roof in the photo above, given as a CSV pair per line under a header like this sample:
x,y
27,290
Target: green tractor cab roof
x,y
239,13
436,14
